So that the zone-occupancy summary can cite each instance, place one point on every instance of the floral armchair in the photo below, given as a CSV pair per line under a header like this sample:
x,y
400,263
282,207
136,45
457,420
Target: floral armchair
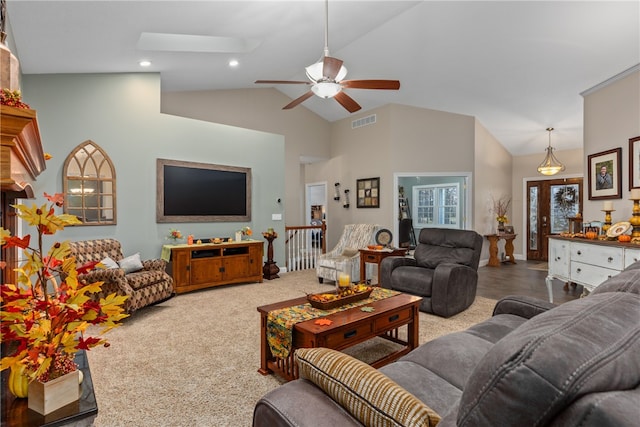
x,y
145,286
354,237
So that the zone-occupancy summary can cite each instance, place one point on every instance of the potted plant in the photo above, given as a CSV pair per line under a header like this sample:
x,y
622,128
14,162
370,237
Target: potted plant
x,y
44,317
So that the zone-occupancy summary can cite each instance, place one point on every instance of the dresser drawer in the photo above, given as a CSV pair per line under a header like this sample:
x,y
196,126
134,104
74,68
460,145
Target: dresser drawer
x,y
631,256
400,316
343,337
590,275
600,255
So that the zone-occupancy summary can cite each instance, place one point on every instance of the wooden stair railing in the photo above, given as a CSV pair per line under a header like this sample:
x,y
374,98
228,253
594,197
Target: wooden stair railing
x,y
303,245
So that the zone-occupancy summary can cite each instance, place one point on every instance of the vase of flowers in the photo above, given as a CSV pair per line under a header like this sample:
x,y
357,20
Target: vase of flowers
x,y
175,236
243,233
500,208
44,317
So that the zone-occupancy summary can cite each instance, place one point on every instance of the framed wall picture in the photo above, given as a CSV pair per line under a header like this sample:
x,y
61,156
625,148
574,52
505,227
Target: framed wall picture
x,y
368,193
605,174
634,162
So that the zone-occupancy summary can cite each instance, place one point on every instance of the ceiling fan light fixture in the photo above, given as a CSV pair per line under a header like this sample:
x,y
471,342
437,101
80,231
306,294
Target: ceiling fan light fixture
x,y
326,89
550,165
314,72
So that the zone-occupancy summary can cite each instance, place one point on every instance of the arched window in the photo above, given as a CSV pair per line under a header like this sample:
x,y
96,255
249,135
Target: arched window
x,y
89,181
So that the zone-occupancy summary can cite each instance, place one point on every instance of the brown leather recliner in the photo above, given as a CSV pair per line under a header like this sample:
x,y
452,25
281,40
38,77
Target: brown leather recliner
x,y
443,270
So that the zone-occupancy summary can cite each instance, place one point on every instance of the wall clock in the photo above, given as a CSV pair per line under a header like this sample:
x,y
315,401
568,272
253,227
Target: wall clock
x,y
384,237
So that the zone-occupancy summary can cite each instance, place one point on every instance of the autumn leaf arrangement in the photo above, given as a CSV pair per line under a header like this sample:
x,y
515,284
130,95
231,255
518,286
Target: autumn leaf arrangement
x,y
45,315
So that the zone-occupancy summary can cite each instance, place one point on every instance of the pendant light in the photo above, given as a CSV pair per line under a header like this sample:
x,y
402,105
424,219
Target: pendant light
x,y
550,165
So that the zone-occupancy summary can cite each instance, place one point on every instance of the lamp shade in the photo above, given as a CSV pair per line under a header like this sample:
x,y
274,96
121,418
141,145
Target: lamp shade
x,y
550,165
314,72
326,89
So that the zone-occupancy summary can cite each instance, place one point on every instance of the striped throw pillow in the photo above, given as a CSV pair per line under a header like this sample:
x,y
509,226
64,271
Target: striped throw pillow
x,y
368,395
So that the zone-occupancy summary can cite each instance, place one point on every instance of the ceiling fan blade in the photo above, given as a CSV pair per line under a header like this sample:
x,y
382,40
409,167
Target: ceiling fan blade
x,y
331,67
283,82
347,102
298,100
371,84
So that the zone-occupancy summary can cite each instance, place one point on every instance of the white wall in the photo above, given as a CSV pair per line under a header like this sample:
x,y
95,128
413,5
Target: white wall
x,y
492,180
611,118
306,134
121,113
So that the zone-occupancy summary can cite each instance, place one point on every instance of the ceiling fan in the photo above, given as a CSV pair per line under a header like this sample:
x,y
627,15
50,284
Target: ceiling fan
x,y
326,78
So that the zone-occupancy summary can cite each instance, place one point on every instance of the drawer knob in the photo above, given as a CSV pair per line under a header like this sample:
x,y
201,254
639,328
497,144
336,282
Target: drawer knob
x,y
579,270
350,334
609,259
579,253
394,318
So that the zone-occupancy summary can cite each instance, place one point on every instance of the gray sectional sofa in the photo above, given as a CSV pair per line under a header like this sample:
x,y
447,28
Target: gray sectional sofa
x,y
530,364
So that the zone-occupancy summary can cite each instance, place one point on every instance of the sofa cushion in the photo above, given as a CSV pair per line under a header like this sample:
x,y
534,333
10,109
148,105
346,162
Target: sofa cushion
x,y
367,394
145,278
109,263
131,263
350,252
413,280
581,347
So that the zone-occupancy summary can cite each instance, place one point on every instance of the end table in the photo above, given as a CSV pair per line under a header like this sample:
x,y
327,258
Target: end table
x,y
375,257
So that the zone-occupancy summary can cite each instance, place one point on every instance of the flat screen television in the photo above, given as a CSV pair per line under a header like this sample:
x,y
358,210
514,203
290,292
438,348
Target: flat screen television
x,y
202,192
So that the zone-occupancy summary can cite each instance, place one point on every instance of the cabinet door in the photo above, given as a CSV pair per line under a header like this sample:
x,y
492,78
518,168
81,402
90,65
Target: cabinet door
x,y
206,270
236,266
255,260
180,268
559,258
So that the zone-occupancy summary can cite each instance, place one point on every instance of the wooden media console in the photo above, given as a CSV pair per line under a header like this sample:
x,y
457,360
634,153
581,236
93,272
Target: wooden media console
x,y
202,266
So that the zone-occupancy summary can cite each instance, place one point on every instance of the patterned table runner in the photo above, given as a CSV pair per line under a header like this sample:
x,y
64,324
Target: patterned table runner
x,y
280,322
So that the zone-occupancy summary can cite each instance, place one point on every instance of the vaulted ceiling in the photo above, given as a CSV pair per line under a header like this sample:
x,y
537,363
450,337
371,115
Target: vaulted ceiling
x,y
518,66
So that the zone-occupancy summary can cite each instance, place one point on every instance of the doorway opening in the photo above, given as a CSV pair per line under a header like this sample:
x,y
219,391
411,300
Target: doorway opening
x,y
430,200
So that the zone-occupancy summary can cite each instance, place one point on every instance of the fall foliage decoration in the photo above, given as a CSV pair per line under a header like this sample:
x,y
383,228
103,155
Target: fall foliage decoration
x,y
44,317
12,98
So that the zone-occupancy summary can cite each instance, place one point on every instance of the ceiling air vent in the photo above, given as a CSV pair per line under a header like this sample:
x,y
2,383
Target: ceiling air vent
x,y
364,121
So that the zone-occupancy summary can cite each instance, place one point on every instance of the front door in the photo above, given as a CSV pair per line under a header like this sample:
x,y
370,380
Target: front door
x,y
549,205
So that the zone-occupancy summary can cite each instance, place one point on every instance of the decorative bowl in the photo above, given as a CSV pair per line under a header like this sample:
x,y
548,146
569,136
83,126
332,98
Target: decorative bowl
x,y
336,300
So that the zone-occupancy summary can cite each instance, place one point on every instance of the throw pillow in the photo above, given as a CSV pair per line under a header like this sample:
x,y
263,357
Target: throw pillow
x,y
131,263
350,252
109,263
368,395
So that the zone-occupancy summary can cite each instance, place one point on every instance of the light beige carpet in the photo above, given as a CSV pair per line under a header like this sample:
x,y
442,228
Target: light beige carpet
x,y
193,360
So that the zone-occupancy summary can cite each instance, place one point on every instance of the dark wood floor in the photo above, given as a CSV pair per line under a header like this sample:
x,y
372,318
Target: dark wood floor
x,y
521,279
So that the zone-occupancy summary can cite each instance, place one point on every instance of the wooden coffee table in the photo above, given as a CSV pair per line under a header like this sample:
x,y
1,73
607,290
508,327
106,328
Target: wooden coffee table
x,y
349,327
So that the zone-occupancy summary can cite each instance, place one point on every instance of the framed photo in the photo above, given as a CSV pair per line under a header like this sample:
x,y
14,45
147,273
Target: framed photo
x,y
368,193
508,229
634,162
605,175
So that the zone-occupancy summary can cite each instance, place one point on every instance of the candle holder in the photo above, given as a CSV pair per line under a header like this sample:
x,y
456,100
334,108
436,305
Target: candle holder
x,y
635,219
607,220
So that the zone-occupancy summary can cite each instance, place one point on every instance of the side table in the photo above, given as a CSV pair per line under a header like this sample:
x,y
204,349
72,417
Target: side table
x,y
494,261
80,413
375,257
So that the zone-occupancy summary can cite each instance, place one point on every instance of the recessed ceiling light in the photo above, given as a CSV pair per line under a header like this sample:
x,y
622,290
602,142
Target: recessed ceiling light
x,y
233,63
144,63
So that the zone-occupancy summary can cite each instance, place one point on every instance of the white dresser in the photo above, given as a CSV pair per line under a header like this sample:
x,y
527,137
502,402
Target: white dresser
x,y
587,262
